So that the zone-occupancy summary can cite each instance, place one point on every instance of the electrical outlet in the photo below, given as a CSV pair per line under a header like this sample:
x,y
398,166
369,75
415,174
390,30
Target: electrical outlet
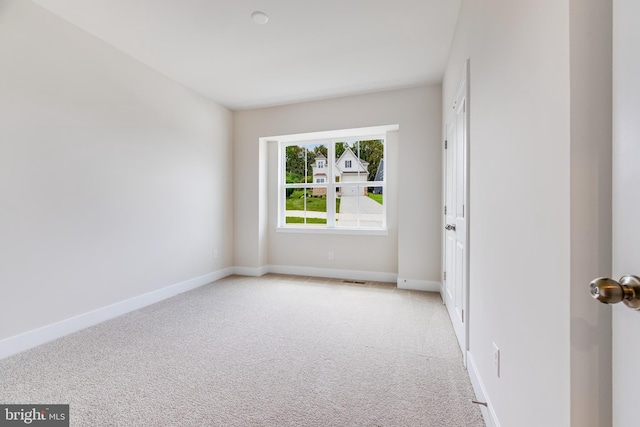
x,y
216,254
330,255
496,359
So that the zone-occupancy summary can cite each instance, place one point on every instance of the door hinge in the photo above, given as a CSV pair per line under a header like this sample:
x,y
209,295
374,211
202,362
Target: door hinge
x,y
445,144
445,276
462,316
445,209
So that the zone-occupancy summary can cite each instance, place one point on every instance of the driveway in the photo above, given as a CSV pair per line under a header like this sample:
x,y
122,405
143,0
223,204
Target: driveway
x,y
362,208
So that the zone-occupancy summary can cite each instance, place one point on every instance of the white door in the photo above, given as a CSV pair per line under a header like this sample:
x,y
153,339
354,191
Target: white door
x,y
456,214
626,206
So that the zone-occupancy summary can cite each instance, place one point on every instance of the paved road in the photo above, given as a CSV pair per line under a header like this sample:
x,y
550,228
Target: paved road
x,y
309,214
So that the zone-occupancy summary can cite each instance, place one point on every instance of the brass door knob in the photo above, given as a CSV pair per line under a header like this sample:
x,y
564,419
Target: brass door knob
x,y
608,291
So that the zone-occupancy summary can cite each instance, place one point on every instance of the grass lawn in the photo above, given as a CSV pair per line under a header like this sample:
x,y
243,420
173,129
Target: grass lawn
x,y
295,202
376,197
300,220
316,204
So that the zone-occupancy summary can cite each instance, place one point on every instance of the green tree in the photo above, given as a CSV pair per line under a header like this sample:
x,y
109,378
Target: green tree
x,y
294,159
340,147
321,149
372,151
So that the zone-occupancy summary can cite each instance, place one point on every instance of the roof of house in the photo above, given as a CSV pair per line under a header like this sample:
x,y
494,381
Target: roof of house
x,y
380,172
364,165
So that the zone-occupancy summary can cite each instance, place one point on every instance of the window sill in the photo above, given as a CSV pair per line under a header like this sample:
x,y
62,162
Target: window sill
x,y
325,230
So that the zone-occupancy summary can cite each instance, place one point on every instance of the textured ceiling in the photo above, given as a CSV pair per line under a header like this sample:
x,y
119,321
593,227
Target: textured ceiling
x,y
310,49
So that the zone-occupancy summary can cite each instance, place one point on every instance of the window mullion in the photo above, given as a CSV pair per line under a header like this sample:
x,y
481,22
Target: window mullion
x,y
331,188
282,199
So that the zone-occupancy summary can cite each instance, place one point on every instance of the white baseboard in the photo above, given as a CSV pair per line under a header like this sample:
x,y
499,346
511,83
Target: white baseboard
x,y
490,418
332,273
251,271
16,344
36,337
419,285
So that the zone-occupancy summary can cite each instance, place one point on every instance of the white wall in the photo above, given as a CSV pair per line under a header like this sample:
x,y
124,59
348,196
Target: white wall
x,y
519,197
114,180
412,247
535,129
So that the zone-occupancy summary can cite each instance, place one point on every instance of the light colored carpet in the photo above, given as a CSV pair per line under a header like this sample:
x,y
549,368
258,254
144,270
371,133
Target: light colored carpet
x,y
270,351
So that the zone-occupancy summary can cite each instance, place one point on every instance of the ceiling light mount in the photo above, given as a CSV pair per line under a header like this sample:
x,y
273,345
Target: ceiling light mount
x,y
260,18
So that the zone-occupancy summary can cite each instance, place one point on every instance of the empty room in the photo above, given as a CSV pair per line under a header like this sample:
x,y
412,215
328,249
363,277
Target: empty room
x,y
336,213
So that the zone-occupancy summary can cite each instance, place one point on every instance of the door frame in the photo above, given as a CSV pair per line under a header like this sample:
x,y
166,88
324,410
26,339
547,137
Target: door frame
x,y
462,88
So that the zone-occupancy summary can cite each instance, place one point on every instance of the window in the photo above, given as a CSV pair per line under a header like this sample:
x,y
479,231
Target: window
x,y
333,184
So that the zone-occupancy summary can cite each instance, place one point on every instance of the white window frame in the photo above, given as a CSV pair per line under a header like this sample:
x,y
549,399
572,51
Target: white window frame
x,y
331,187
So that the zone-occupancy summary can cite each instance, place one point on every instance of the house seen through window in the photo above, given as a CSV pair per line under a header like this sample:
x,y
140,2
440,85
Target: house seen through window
x,y
336,183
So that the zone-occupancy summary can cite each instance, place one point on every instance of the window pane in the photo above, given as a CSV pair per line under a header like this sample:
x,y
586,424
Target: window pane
x,y
372,154
359,208
359,161
296,164
305,162
306,206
